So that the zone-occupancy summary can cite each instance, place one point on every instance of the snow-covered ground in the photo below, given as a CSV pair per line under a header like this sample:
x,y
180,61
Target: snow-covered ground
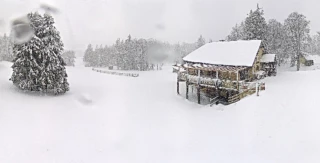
x,y
116,119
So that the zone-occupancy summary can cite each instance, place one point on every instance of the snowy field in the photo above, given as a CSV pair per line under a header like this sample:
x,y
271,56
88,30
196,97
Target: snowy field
x,y
107,118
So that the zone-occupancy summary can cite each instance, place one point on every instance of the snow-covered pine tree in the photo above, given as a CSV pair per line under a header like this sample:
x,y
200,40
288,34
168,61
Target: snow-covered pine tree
x,y
177,52
126,62
275,39
182,50
38,65
99,55
1,48
105,57
69,57
95,57
113,56
297,30
119,54
143,48
316,44
87,58
237,33
255,25
6,51
201,41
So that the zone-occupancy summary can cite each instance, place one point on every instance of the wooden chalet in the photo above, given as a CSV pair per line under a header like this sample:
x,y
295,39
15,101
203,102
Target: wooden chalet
x,y
269,64
176,68
306,59
222,71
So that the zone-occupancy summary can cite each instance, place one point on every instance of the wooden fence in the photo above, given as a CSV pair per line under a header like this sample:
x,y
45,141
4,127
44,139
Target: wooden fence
x,y
234,98
241,95
116,73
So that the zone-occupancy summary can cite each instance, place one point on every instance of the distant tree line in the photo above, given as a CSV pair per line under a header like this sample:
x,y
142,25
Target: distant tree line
x,y
138,54
69,57
287,39
6,48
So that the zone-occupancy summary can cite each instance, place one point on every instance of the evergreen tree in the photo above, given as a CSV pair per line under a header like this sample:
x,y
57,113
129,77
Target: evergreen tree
x,y
315,46
6,48
201,41
135,54
143,62
237,33
275,38
95,57
182,50
38,65
297,29
255,25
99,54
105,57
88,56
1,48
69,57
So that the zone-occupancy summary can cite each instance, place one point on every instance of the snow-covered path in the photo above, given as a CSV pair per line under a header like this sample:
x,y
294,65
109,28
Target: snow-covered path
x,y
106,118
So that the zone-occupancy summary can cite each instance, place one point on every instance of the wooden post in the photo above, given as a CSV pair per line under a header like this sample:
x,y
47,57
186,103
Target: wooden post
x,y
217,74
178,89
199,72
238,80
198,87
178,84
253,75
187,89
257,88
198,93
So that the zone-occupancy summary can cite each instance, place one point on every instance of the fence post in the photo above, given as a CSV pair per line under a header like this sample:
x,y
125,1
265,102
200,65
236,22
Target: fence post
x,y
257,88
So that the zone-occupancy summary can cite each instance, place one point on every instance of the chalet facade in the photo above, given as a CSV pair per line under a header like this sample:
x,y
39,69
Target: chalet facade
x,y
306,59
269,64
223,71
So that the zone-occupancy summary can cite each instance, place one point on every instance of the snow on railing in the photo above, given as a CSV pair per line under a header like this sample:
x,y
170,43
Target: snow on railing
x,y
116,73
206,81
198,80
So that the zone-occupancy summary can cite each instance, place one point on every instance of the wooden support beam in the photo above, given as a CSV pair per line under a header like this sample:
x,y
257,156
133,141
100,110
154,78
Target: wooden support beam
x,y
199,72
238,81
178,87
198,93
187,89
187,85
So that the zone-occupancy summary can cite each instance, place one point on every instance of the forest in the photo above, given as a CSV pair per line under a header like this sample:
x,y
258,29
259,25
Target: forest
x,y
138,54
289,39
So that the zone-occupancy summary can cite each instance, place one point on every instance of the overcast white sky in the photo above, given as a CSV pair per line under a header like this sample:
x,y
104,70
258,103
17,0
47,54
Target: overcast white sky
x,y
103,21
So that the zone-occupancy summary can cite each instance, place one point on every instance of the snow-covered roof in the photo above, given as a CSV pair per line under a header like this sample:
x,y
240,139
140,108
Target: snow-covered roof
x,y
268,58
234,53
308,57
